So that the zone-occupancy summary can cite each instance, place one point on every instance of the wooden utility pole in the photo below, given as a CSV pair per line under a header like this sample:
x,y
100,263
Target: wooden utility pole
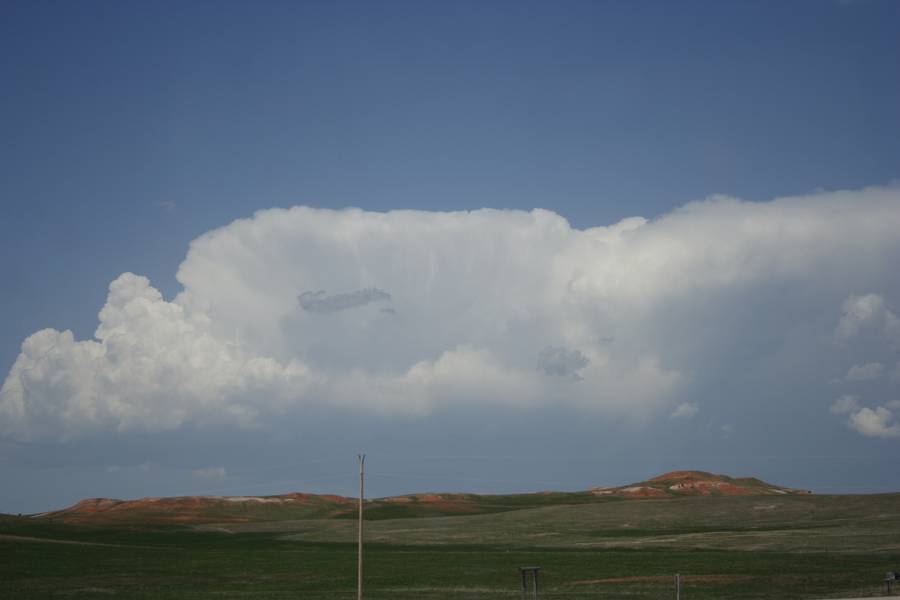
x,y
361,458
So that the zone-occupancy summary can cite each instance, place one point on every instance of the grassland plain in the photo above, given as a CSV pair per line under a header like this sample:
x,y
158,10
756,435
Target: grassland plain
x,y
728,547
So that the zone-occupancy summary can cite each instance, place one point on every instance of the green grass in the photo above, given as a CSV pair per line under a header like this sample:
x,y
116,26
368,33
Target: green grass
x,y
780,524
470,504
744,548
192,565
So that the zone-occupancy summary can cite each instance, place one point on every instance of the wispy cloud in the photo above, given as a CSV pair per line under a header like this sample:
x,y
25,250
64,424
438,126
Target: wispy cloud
x,y
685,410
215,473
866,372
845,404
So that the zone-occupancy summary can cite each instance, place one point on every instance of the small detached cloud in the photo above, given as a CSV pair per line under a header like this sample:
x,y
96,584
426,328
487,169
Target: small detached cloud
x,y
866,372
867,313
877,422
845,404
562,362
686,410
210,473
870,422
321,303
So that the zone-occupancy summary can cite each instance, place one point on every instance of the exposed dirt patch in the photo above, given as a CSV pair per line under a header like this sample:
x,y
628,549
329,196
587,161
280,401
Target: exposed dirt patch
x,y
641,491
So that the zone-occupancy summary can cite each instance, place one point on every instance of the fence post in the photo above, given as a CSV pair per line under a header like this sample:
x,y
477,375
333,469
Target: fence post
x,y
524,571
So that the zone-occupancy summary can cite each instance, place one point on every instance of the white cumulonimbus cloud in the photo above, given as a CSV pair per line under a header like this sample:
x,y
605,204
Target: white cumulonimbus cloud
x,y
152,365
429,311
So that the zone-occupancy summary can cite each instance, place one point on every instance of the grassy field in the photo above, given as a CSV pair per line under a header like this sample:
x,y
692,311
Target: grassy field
x,y
787,524
772,547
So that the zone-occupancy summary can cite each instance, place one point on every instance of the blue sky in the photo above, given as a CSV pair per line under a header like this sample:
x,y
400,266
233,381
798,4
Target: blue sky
x,y
132,129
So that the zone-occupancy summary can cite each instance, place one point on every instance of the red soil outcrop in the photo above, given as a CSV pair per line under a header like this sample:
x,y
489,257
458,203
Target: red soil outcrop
x,y
695,483
224,509
197,509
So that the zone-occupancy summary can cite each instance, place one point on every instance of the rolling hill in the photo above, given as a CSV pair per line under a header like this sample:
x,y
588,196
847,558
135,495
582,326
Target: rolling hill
x,y
727,537
696,483
294,506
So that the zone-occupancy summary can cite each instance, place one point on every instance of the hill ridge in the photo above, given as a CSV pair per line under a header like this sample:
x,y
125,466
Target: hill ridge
x,y
696,483
300,505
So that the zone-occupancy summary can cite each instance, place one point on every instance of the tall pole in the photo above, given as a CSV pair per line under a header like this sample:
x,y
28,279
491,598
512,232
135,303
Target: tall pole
x,y
361,458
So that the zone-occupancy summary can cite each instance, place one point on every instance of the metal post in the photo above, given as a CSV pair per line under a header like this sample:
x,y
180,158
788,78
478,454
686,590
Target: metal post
x,y
524,572
361,458
677,586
